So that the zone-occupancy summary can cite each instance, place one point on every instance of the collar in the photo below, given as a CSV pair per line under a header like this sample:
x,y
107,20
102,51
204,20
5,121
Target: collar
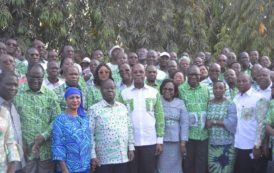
x,y
27,89
132,87
106,104
189,87
267,89
248,92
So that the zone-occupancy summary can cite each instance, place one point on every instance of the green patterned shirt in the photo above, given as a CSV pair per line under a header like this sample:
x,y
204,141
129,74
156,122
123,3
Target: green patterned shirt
x,y
37,111
95,95
196,100
21,66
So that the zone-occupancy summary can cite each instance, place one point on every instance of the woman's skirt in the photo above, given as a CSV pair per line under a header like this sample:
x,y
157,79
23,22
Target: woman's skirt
x,y
170,161
221,158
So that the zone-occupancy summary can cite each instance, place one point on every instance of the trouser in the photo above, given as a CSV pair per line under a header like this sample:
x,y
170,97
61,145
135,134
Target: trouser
x,y
38,166
144,159
244,162
197,156
113,168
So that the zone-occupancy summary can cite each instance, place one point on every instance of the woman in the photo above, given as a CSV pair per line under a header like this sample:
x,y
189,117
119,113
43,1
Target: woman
x,y
221,123
102,72
71,136
178,78
8,148
204,72
176,129
64,64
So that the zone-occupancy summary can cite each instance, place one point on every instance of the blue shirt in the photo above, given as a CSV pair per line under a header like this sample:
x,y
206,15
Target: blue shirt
x,y
71,141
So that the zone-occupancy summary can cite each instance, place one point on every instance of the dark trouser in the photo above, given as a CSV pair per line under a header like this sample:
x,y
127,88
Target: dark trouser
x,y
247,165
144,159
38,166
113,168
197,156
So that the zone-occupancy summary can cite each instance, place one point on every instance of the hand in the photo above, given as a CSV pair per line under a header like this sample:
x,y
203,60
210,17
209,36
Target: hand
x,y
209,123
95,163
257,153
35,149
130,155
39,140
11,168
265,150
159,149
183,150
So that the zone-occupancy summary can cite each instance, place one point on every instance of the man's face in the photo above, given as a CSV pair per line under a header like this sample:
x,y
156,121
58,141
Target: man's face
x,y
164,61
194,76
68,52
52,56
121,58
198,61
184,64
93,65
132,59
40,46
138,74
53,69
222,61
265,61
236,67
151,73
263,78
230,76
254,56
244,60
151,58
9,87
98,54
108,90
33,56
214,72
11,46
7,63
243,83
172,67
125,71
35,78
72,76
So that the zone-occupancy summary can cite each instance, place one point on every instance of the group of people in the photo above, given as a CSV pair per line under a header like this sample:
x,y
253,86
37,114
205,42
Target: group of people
x,y
134,112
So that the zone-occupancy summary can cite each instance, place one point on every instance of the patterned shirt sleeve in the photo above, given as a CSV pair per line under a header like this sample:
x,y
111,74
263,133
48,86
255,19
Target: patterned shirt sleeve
x,y
160,121
230,122
58,145
130,135
269,119
55,110
184,123
261,110
92,124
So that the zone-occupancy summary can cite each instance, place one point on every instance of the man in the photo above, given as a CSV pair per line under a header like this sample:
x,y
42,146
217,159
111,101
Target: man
x,y
40,46
173,56
7,63
264,83
146,112
98,55
196,96
231,58
8,90
245,62
222,61
53,81
171,67
254,73
151,74
198,61
113,142
254,57
132,59
93,65
67,52
126,75
72,77
3,48
236,67
184,63
113,64
251,110
265,61
37,107
52,56
152,59
213,75
11,46
32,57
142,54
231,81
163,61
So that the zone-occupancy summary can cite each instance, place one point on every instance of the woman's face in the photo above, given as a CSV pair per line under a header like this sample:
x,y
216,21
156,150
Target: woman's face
x,y
73,101
67,63
103,73
168,91
204,72
219,90
178,78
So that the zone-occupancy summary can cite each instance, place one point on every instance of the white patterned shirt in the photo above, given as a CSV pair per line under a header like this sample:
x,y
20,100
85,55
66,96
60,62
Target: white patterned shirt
x,y
113,132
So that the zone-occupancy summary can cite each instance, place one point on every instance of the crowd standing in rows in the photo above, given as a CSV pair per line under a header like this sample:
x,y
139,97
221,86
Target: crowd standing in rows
x,y
134,112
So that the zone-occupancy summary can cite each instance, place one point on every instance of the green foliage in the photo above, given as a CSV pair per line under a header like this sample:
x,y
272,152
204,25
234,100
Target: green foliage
x,y
171,25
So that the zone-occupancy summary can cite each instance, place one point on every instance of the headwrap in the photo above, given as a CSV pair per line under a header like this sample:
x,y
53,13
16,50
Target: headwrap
x,y
73,90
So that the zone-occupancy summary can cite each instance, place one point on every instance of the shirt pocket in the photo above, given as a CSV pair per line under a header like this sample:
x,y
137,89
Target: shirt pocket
x,y
150,102
129,104
247,113
193,119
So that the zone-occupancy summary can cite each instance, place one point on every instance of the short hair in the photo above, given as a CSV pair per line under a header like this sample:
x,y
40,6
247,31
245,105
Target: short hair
x,y
219,81
35,65
173,74
65,72
62,63
176,90
97,81
5,74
